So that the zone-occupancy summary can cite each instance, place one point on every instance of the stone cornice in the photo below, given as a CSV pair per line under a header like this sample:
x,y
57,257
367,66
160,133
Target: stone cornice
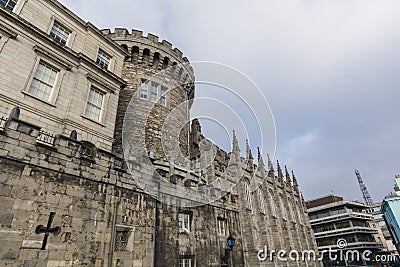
x,y
86,25
101,83
45,52
7,31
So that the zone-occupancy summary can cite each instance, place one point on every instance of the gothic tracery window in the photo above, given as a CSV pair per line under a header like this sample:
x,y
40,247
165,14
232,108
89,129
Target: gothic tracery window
x,y
249,204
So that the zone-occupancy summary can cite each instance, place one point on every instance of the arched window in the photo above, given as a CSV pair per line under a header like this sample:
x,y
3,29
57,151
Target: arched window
x,y
292,214
135,50
146,52
125,47
283,208
146,56
300,218
219,185
165,63
261,200
249,205
272,203
156,58
135,53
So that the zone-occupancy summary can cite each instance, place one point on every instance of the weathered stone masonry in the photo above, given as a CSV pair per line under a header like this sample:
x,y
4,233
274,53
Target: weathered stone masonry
x,y
94,201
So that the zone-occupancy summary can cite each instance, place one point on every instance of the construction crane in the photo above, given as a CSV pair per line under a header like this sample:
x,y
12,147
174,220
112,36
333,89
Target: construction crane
x,y
367,197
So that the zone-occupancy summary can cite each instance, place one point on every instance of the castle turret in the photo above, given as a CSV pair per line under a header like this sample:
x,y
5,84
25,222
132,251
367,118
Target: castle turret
x,y
166,83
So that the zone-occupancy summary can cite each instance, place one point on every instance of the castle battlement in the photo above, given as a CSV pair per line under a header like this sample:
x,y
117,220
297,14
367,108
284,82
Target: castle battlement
x,y
150,50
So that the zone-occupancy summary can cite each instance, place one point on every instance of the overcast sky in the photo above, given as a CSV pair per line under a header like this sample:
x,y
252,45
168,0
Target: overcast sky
x,y
329,69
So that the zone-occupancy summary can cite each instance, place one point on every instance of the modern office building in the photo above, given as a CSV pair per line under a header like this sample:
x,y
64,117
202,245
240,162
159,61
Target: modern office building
x,y
383,231
391,213
342,225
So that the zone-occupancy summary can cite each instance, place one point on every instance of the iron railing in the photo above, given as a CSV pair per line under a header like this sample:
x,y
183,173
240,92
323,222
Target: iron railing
x,y
3,122
46,138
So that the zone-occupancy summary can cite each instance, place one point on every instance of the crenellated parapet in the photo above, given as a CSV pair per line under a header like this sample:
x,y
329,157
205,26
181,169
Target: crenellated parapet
x,y
151,53
255,172
29,144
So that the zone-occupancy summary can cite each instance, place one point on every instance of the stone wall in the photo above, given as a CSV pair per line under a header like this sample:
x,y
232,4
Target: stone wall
x,y
88,195
98,206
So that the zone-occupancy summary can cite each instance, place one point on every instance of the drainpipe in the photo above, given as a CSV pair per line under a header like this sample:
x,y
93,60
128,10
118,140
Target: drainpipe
x,y
114,223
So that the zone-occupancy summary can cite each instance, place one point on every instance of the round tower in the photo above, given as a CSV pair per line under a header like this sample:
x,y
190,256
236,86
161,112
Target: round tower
x,y
149,57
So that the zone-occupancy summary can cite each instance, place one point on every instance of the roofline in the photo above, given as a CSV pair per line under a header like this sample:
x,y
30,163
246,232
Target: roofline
x,y
86,24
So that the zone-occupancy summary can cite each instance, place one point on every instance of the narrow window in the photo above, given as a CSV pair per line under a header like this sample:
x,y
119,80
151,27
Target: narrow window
x,y
163,97
165,62
43,81
291,210
298,213
255,233
219,184
154,92
248,196
59,33
94,104
8,4
261,200
144,89
283,208
103,59
146,52
221,226
125,47
184,222
272,202
185,263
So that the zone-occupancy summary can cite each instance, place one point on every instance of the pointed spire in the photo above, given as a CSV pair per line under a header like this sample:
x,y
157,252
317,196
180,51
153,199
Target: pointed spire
x,y
288,179
260,159
271,171
250,162
270,166
302,200
261,164
295,184
248,150
280,174
235,144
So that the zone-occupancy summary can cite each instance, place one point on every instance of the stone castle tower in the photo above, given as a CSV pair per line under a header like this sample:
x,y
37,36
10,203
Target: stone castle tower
x,y
156,63
68,195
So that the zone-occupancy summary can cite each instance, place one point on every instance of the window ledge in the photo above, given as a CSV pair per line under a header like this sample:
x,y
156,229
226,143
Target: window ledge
x,y
92,120
38,98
